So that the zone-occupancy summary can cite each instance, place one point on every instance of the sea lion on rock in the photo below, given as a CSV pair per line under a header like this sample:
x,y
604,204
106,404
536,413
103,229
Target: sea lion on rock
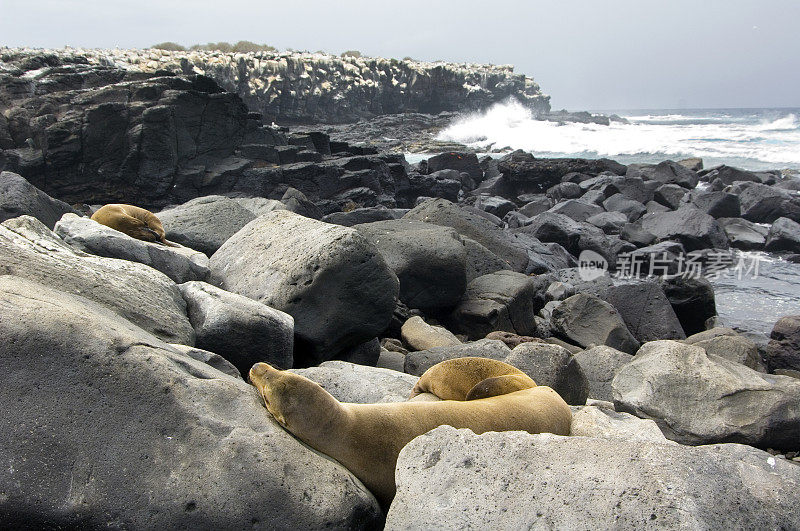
x,y
471,378
134,221
367,438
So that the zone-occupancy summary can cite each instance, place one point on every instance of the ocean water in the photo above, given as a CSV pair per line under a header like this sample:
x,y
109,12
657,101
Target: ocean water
x,y
754,139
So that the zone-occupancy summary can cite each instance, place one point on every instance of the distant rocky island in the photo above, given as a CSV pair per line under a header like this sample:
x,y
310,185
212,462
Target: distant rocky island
x,y
123,362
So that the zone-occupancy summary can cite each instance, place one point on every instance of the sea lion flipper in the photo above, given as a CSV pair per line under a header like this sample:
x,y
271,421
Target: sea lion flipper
x,y
499,385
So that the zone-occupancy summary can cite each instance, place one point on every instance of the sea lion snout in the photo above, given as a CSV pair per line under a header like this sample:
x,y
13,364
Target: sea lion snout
x,y
259,373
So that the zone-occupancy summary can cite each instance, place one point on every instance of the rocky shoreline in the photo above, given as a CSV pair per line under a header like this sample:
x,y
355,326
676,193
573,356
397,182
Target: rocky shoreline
x,y
122,360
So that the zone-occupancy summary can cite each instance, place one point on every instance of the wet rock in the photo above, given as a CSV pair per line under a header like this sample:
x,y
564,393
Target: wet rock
x,y
783,350
688,225
744,234
783,235
692,299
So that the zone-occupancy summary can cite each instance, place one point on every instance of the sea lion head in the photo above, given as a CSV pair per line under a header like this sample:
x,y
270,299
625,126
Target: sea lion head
x,y
298,404
136,228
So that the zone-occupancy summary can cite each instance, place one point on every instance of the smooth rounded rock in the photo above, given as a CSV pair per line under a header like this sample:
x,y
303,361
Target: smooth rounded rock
x,y
241,330
333,282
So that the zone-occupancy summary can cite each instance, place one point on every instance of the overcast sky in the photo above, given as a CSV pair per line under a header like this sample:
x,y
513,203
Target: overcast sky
x,y
587,54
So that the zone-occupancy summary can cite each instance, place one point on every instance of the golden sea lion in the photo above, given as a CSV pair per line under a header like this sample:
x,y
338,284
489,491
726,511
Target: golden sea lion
x,y
134,221
367,438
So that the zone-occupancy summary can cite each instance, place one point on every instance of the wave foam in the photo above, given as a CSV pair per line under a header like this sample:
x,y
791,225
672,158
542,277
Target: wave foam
x,y
510,124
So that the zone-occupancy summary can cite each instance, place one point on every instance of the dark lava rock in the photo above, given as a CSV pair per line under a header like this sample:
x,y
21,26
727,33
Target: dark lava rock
x,y
693,301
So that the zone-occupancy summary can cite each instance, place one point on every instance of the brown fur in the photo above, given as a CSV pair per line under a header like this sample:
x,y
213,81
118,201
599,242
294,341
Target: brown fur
x,y
367,438
134,221
454,379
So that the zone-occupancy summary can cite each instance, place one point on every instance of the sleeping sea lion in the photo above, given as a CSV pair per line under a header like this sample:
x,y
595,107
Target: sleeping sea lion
x,y
367,438
134,221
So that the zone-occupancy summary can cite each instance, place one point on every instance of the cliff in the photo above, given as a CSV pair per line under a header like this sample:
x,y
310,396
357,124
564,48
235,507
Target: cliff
x,y
302,87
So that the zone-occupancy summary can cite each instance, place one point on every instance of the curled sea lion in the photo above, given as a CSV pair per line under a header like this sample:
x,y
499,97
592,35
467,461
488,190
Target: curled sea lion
x,y
367,438
134,221
471,378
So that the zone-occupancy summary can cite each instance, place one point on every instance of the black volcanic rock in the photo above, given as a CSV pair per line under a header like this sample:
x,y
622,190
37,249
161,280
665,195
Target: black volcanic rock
x,y
530,175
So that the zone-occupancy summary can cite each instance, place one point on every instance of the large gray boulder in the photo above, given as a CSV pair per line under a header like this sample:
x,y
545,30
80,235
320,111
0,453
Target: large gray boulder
x,y
765,204
472,225
138,293
783,349
646,310
334,283
667,172
692,299
744,234
717,204
600,365
784,235
359,384
18,197
181,264
504,300
112,428
454,479
205,223
241,330
420,361
553,366
589,321
700,398
693,228
429,260
480,260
